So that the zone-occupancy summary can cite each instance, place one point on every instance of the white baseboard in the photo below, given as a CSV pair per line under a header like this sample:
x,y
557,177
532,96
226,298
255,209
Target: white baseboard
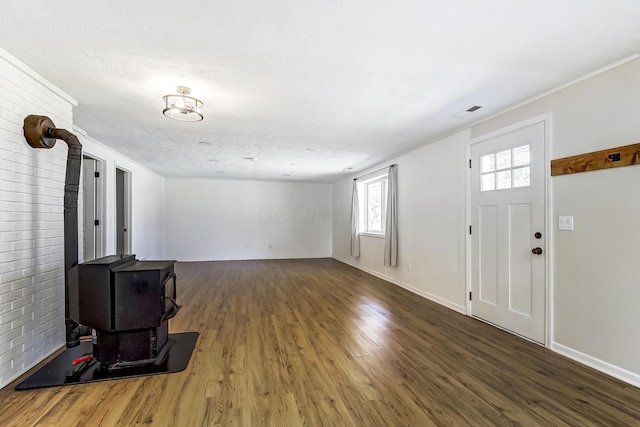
x,y
595,363
423,294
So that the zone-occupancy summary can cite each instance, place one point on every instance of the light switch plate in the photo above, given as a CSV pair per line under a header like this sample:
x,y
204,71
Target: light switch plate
x,y
565,223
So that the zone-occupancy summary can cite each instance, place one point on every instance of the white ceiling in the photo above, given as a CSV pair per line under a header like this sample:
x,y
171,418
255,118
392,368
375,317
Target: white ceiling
x,y
306,89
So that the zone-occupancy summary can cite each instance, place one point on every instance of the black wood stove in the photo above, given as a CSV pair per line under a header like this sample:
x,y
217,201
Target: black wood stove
x,y
127,303
124,303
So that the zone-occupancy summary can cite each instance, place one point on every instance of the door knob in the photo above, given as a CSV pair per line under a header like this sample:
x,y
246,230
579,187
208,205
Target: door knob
x,y
536,251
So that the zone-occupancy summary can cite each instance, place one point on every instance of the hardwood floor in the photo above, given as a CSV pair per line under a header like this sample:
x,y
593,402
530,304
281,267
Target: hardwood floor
x,y
319,343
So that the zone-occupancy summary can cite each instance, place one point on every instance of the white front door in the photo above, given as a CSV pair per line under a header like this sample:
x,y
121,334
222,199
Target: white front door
x,y
508,261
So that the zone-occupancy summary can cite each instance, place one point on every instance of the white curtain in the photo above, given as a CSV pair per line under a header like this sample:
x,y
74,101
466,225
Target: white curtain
x,y
355,218
391,232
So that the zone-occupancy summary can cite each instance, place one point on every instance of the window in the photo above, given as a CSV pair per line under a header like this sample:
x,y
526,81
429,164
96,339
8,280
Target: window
x,y
505,169
373,209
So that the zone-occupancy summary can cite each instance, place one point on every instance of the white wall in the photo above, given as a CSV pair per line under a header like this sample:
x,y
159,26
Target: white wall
x,y
431,223
146,229
215,219
31,221
596,285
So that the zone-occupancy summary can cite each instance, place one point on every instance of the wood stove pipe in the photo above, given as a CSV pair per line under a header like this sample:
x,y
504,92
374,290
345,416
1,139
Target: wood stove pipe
x,y
40,132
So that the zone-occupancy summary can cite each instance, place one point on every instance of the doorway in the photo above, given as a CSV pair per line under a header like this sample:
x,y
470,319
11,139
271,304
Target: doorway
x,y
508,230
123,211
92,205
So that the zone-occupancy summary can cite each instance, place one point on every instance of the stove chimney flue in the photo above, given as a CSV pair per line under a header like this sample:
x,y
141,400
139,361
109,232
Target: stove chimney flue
x,y
40,132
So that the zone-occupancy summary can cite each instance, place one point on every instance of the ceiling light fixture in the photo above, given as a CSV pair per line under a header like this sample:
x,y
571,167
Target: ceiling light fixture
x,y
183,107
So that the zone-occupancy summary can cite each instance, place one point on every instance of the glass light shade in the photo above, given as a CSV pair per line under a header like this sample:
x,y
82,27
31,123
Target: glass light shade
x,y
183,107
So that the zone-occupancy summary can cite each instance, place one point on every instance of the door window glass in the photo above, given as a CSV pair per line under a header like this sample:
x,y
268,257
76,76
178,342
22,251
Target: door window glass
x,y
505,169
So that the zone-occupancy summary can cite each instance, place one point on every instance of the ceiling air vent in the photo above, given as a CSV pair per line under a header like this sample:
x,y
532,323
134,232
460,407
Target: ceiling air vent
x,y
465,113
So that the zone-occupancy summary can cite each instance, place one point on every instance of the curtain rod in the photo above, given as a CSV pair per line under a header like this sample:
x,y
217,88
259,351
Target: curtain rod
x,y
374,172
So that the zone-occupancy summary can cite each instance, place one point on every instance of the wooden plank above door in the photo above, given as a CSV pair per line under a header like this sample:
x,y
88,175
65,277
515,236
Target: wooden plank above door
x,y
611,158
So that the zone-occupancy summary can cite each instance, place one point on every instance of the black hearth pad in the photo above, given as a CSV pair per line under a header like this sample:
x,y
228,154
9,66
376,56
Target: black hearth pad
x,y
53,374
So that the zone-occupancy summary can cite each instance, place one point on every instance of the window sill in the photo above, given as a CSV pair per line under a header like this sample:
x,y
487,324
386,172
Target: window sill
x,y
370,234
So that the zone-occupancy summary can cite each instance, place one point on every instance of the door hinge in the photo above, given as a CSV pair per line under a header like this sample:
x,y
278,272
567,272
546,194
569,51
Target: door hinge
x,y
469,229
96,174
96,222
469,163
469,296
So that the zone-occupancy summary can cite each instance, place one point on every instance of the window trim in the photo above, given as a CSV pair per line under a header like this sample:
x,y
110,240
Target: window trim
x,y
364,204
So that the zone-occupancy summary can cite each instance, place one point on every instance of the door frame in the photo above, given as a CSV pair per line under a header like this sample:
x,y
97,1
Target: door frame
x,y
548,219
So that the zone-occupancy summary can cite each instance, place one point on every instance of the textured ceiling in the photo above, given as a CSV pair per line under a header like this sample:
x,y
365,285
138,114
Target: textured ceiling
x,y
302,89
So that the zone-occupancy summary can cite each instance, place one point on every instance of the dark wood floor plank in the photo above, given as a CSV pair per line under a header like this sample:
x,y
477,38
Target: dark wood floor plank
x,y
319,343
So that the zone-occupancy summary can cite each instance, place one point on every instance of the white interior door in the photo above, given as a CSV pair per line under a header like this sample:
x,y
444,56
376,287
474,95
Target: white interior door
x,y
92,205
508,262
123,211
89,206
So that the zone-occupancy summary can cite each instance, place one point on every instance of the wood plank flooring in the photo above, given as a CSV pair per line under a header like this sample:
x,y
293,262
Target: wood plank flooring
x,y
319,343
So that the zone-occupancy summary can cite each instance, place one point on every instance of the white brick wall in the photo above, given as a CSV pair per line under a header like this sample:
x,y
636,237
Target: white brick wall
x,y
31,222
